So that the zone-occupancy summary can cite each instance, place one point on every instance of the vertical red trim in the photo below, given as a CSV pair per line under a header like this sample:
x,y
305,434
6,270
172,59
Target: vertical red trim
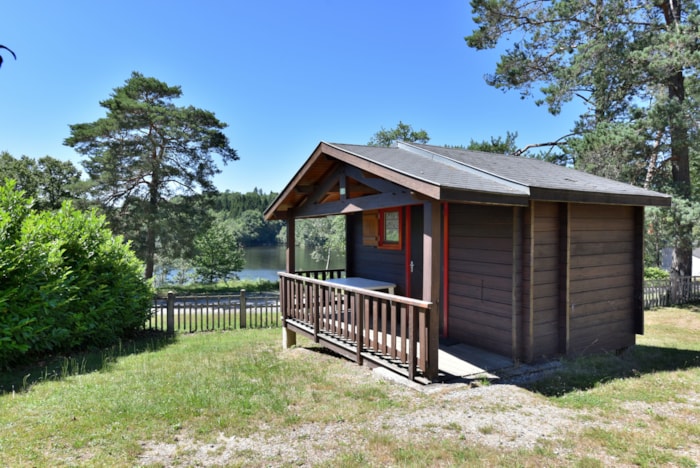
x,y
445,267
407,269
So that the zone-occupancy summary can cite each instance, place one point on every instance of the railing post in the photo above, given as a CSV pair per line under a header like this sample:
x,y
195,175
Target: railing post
x,y
316,309
359,304
170,314
433,338
289,338
244,311
412,341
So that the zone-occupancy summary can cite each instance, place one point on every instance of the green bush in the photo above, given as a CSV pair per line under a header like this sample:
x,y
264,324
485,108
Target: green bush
x,y
655,273
65,281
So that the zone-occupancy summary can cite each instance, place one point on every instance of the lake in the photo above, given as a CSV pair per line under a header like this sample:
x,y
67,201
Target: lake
x,y
265,262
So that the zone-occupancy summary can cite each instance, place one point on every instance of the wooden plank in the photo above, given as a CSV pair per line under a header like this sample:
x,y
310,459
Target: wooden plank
x,y
597,248
594,296
466,215
593,318
602,283
608,336
602,236
605,259
475,254
481,294
595,211
603,271
497,280
468,319
483,337
476,311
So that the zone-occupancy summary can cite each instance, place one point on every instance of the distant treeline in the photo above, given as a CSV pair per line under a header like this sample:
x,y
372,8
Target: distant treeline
x,y
235,203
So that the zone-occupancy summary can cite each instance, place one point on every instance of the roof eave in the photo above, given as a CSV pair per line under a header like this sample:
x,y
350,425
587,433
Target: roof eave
x,y
606,198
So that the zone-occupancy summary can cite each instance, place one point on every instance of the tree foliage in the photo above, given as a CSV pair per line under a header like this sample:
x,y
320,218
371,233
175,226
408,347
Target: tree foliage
x,y
325,237
65,280
218,255
402,132
634,64
235,203
146,151
498,145
47,180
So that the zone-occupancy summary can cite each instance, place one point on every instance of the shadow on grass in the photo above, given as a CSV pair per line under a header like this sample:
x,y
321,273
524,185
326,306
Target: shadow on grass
x,y
58,367
590,371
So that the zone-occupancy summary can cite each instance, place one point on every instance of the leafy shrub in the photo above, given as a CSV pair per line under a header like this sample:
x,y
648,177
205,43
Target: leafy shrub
x,y
65,280
655,273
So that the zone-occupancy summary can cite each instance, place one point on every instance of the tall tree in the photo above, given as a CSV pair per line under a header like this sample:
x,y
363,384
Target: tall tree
x,y
496,144
402,132
218,256
147,150
630,61
48,181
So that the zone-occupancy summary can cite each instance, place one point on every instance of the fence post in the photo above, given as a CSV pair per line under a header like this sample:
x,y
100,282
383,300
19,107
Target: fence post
x,y
170,314
244,310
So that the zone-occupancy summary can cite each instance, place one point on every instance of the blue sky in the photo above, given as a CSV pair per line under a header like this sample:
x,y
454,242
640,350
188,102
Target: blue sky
x,y
283,75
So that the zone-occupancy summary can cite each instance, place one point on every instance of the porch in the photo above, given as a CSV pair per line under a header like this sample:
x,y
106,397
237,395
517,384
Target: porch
x,y
376,328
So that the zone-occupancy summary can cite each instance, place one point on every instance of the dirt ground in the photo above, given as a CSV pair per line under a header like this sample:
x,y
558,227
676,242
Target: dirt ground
x,y
502,416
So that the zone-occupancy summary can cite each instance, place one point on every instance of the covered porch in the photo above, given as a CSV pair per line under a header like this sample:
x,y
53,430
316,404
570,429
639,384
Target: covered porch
x,y
376,328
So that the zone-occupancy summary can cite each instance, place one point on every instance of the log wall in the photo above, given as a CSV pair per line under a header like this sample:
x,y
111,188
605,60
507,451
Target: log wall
x,y
481,276
602,275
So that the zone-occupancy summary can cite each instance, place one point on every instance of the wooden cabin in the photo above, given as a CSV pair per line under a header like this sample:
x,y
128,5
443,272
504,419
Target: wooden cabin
x,y
513,255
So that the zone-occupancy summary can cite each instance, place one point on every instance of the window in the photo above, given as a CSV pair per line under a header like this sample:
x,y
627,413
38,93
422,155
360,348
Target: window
x,y
382,228
390,228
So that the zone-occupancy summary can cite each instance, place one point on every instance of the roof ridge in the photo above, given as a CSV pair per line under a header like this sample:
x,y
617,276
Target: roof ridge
x,y
421,151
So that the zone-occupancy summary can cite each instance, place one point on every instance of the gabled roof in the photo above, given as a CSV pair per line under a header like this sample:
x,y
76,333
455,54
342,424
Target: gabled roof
x,y
432,172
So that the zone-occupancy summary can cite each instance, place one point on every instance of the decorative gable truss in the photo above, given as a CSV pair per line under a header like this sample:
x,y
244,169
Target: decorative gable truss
x,y
348,189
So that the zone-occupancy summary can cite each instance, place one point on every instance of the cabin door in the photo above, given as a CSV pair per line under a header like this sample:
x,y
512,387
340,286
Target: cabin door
x,y
414,262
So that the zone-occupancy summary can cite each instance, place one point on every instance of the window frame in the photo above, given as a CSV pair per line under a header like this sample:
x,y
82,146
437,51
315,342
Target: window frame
x,y
383,243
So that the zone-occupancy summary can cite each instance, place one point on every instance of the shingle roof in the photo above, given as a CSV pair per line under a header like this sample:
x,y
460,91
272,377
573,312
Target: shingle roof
x,y
451,175
489,172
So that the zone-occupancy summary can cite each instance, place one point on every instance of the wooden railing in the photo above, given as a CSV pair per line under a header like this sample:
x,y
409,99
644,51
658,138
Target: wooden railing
x,y
388,330
321,274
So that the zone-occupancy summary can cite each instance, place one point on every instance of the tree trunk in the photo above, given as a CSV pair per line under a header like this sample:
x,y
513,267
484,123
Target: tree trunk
x,y
680,154
152,223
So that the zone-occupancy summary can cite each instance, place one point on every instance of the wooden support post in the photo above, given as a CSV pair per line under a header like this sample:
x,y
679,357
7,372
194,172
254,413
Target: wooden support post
x,y
517,285
431,283
289,338
170,314
639,270
243,311
565,305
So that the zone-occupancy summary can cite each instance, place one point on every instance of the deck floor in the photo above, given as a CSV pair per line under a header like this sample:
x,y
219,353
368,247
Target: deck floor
x,y
461,360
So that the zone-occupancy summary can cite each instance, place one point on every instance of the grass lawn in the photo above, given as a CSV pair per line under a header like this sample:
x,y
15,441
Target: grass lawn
x,y
232,392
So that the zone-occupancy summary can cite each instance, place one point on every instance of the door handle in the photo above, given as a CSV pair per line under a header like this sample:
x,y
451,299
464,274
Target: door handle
x,y
412,264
